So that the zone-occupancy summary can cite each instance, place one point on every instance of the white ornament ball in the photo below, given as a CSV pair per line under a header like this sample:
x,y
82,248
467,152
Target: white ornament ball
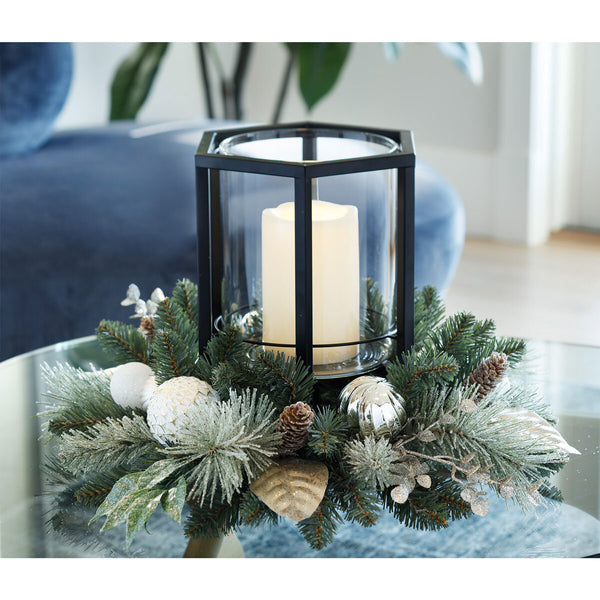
x,y
132,385
170,403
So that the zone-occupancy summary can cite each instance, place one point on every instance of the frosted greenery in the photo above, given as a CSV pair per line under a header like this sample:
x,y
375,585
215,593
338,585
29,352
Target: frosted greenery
x,y
77,399
228,443
371,460
437,467
106,444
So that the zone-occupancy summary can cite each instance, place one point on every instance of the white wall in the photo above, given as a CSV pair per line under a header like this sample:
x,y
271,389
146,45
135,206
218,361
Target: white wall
x,y
478,137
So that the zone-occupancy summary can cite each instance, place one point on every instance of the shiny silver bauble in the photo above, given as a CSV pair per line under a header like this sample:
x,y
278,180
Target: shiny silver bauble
x,y
373,405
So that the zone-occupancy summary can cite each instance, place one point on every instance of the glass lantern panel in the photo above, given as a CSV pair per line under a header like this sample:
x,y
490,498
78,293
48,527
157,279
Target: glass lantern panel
x,y
354,251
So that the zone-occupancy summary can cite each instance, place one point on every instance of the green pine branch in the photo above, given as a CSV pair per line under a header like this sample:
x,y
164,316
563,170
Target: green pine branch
x,y
429,313
212,519
172,357
226,346
320,528
454,336
185,297
359,502
514,348
416,372
328,432
124,343
450,505
376,321
227,376
422,511
286,380
175,342
254,512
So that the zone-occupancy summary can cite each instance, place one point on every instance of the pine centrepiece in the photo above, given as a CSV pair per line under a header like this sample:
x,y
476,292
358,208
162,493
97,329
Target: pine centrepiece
x,y
457,442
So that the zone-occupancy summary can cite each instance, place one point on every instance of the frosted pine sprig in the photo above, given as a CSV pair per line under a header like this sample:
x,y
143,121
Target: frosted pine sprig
x,y
227,442
372,460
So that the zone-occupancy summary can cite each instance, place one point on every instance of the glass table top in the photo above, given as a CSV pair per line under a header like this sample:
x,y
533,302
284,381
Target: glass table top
x,y
567,375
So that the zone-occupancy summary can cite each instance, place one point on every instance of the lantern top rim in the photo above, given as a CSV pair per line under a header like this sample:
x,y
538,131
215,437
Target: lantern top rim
x,y
244,144
373,149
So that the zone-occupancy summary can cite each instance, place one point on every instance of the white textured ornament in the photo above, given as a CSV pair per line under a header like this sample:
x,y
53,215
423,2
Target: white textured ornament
x,y
132,384
374,404
170,403
539,428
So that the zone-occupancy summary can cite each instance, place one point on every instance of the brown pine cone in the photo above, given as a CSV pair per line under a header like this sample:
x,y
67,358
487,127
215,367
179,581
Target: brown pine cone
x,y
488,374
294,422
147,326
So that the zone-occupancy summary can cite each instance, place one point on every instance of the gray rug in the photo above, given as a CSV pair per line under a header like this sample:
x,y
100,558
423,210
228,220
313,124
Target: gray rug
x,y
554,530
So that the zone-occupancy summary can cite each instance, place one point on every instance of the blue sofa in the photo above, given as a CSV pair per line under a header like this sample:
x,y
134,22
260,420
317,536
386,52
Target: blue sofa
x,y
84,213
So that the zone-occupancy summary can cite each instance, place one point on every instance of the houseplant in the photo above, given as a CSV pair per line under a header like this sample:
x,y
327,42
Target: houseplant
x,y
317,65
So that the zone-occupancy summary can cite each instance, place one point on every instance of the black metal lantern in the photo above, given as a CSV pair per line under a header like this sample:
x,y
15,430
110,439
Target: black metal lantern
x,y
306,241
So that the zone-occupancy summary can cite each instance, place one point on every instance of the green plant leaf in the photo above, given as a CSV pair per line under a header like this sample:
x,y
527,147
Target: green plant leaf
x,y
466,56
319,66
133,80
391,50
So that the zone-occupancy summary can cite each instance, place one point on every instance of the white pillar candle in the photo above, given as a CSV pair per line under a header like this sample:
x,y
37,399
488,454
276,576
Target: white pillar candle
x,y
335,263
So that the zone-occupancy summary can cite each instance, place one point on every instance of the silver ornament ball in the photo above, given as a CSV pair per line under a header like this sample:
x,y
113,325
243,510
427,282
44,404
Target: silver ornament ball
x,y
171,402
132,384
373,404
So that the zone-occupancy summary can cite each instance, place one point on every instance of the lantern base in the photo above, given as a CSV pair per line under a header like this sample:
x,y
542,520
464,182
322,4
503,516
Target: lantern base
x,y
369,357
364,357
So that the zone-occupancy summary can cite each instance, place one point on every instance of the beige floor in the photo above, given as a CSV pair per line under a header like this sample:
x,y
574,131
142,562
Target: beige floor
x,y
550,292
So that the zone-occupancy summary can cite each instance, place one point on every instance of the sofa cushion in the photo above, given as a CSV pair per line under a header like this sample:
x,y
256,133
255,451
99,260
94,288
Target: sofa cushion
x,y
34,83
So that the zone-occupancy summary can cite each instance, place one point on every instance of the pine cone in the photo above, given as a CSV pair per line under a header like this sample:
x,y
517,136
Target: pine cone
x,y
147,326
294,422
488,374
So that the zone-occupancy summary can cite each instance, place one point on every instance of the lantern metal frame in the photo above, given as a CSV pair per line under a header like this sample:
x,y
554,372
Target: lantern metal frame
x,y
209,163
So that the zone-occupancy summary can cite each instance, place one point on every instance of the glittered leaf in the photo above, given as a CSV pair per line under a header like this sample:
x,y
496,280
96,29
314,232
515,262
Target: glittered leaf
x,y
424,481
468,406
422,469
468,494
400,493
426,436
134,498
480,506
474,478
447,419
114,503
140,509
156,473
173,501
